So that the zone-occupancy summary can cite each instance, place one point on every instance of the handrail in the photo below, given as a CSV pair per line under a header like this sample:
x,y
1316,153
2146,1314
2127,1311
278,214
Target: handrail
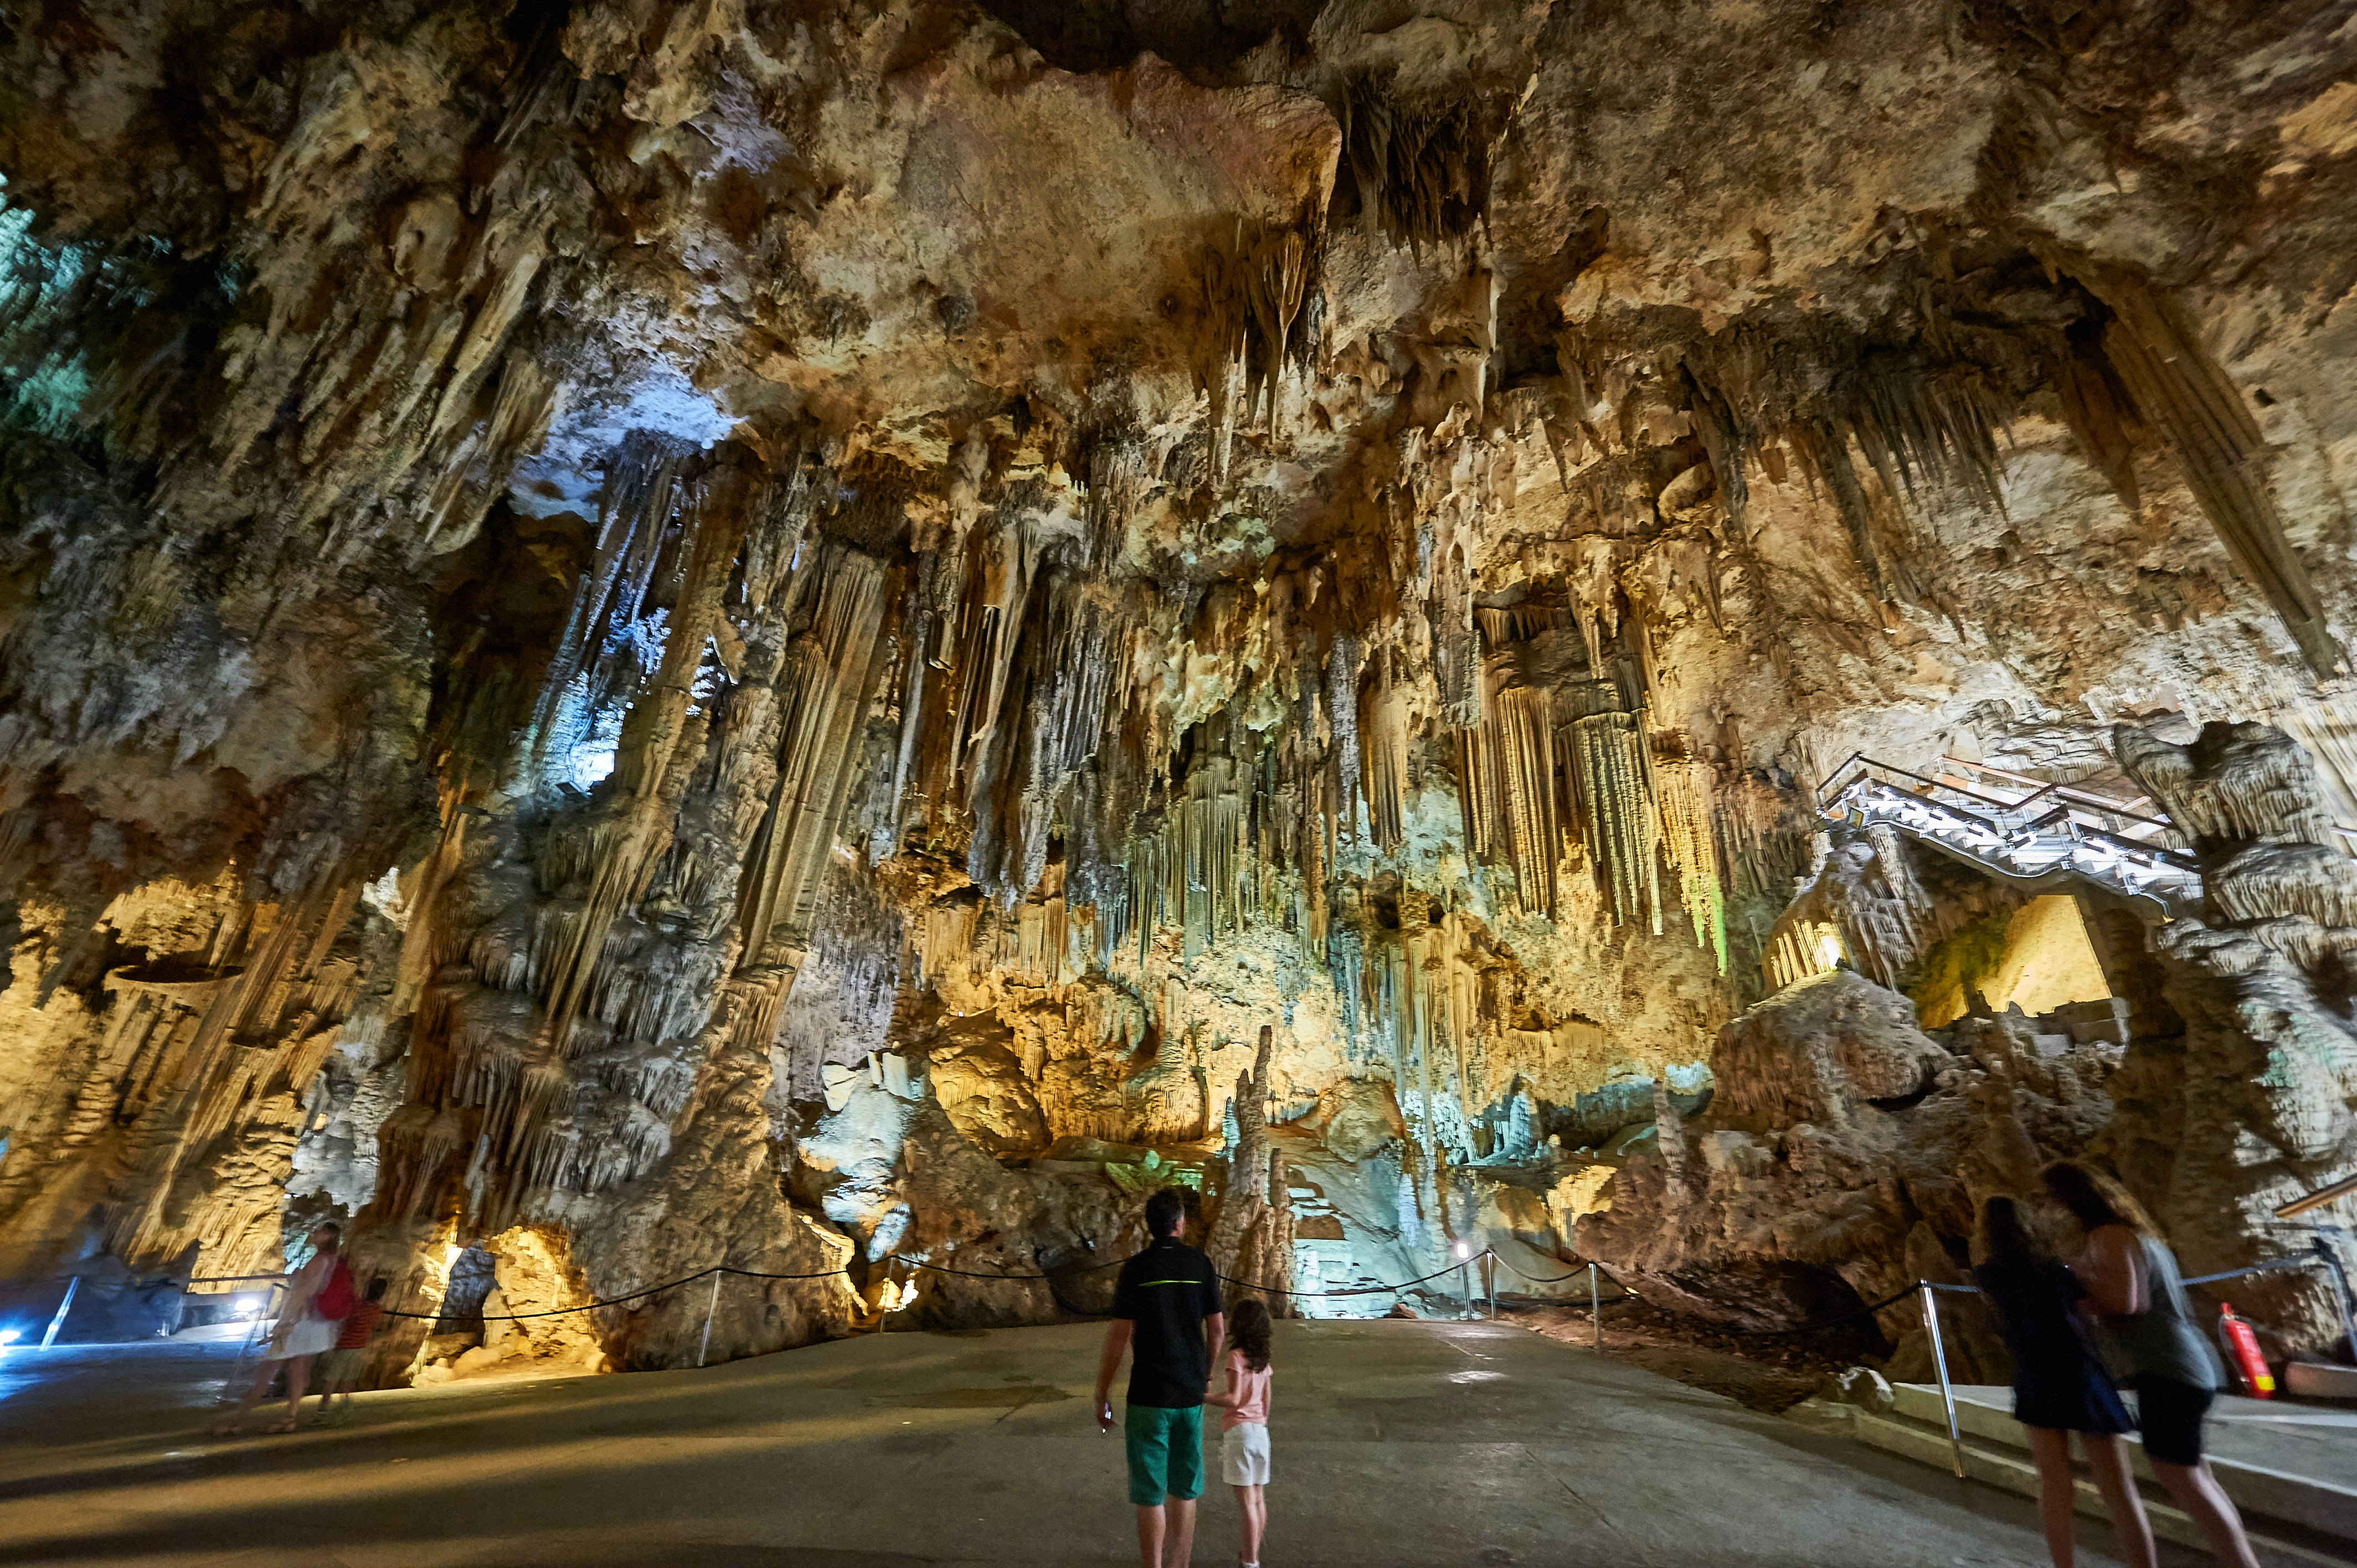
x,y
2100,802
2133,848
2083,799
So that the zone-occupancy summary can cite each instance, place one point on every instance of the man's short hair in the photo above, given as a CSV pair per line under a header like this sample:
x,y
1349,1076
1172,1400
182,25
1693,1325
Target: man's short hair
x,y
1164,1210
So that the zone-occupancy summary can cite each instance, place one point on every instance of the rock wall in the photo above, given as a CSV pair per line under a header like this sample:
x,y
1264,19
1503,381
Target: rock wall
x,y
621,633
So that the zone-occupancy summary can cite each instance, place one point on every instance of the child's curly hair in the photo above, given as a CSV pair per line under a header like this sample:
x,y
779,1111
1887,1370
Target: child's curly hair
x,y
1248,1330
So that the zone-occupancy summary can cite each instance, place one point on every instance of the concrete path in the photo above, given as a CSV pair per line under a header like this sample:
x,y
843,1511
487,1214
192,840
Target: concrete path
x,y
1396,1443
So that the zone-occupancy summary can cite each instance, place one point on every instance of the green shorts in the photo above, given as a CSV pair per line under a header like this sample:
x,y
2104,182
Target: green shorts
x,y
1165,1453
342,1366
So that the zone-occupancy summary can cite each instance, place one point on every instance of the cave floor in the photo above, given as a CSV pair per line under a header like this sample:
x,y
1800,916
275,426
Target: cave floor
x,y
1395,1442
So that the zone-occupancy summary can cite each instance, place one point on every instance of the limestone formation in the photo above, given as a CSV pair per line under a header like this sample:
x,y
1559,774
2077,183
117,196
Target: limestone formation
x,y
639,636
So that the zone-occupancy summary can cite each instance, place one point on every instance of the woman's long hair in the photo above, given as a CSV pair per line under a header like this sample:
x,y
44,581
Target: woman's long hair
x,y
1248,1330
2094,1201
2004,1240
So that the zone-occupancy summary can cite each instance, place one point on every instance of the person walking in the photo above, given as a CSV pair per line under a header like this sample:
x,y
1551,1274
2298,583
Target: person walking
x,y
2148,1335
318,1296
1166,1315
2060,1385
1243,1428
339,1369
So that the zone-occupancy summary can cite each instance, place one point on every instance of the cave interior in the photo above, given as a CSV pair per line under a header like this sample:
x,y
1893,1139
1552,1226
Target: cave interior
x,y
834,638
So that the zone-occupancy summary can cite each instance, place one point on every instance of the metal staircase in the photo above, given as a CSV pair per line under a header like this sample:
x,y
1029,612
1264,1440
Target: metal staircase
x,y
2020,829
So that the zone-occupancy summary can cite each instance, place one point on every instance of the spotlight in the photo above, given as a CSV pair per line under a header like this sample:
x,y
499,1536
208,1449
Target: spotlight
x,y
9,1336
1464,1251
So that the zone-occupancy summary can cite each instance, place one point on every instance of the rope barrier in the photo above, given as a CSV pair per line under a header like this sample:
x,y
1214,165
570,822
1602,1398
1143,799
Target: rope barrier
x,y
2270,1266
614,1301
1361,1290
970,1275
843,1270
1550,1280
1830,1322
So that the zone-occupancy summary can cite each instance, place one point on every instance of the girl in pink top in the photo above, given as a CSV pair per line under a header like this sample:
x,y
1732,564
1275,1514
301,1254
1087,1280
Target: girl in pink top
x,y
1243,1430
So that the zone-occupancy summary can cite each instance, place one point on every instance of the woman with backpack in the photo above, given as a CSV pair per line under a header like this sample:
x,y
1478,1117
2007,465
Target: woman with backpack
x,y
318,1298
2149,1338
2060,1385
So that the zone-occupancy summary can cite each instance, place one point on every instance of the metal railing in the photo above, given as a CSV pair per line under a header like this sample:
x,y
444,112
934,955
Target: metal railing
x,y
2053,829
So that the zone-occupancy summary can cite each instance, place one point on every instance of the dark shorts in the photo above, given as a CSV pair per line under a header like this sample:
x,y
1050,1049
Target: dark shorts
x,y
1165,1453
2169,1415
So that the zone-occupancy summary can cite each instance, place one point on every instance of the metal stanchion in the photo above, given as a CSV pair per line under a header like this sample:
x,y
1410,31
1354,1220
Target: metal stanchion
x,y
2340,1293
709,1306
1490,1263
64,1306
237,1368
1940,1360
1596,1306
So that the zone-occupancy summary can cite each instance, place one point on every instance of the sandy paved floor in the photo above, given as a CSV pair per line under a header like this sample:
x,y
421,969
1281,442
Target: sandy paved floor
x,y
1396,1443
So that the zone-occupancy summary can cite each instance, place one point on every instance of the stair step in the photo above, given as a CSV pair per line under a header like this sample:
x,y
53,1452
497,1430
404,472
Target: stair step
x,y
2014,1471
2323,1505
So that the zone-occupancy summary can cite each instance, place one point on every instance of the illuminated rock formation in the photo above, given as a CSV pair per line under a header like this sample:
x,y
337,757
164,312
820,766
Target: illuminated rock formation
x,y
661,635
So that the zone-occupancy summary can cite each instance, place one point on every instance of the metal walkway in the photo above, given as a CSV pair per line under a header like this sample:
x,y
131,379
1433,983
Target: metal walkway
x,y
2021,829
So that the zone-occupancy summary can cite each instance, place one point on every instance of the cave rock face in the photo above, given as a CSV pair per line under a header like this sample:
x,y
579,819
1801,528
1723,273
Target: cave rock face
x,y
1816,1050
828,638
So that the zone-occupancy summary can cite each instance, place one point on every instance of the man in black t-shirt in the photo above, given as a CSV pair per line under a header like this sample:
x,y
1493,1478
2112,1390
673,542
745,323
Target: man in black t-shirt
x,y
1165,1311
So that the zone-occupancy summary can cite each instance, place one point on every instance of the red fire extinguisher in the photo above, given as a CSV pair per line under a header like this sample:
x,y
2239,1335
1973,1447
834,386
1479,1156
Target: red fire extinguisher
x,y
2243,1348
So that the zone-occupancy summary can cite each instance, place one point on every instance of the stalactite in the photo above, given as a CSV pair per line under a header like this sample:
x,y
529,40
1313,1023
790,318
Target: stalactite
x,y
651,749
1422,172
1077,671
1609,766
1342,713
1257,288
1385,729
2183,392
824,685
208,1057
1682,791
635,524
1508,785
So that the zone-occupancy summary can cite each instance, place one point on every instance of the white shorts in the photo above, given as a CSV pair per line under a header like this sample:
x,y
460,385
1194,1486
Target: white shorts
x,y
308,1338
1243,1454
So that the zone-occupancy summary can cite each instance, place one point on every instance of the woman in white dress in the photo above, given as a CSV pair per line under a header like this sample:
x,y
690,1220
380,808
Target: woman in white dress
x,y
301,1334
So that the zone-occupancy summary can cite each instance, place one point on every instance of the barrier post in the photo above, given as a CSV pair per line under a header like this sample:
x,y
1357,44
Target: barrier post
x,y
1596,1307
709,1306
64,1306
2340,1295
1489,1268
1940,1360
